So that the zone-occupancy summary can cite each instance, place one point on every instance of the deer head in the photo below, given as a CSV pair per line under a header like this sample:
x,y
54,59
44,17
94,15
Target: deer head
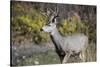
x,y
51,24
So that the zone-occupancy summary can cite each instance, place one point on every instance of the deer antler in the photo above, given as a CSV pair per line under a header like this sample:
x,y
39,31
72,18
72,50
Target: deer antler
x,y
50,14
56,11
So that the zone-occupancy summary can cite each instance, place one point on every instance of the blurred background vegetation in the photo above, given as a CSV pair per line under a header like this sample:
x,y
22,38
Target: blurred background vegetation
x,y
27,20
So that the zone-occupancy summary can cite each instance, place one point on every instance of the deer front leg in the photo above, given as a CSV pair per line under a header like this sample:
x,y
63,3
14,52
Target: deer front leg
x,y
67,56
83,56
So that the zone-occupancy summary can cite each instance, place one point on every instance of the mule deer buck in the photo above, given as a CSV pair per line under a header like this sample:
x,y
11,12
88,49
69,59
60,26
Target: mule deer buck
x,y
66,46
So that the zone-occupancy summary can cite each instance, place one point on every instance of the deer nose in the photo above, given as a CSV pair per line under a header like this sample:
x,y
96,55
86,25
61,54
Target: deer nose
x,y
41,29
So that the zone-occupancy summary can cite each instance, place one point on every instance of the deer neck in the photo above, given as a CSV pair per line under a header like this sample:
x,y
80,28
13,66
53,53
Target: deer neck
x,y
56,38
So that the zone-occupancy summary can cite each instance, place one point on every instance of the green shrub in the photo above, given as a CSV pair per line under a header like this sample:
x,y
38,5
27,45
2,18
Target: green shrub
x,y
72,25
28,23
28,20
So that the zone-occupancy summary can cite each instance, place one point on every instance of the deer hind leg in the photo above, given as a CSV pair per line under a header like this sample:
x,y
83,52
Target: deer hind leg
x,y
67,56
83,56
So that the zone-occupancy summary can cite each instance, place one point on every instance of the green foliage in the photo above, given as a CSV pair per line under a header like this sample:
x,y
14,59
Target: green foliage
x,y
49,57
72,25
28,22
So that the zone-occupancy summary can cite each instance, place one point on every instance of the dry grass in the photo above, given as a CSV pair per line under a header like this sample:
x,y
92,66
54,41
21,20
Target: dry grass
x,y
91,52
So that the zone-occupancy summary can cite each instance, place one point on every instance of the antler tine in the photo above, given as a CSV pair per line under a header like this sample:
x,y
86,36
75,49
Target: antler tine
x,y
53,14
47,13
50,10
56,11
43,13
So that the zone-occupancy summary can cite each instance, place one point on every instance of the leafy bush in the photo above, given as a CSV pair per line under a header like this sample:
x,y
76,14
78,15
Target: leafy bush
x,y
28,23
27,20
72,25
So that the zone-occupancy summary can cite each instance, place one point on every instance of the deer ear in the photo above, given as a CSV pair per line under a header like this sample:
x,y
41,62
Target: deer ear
x,y
55,19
